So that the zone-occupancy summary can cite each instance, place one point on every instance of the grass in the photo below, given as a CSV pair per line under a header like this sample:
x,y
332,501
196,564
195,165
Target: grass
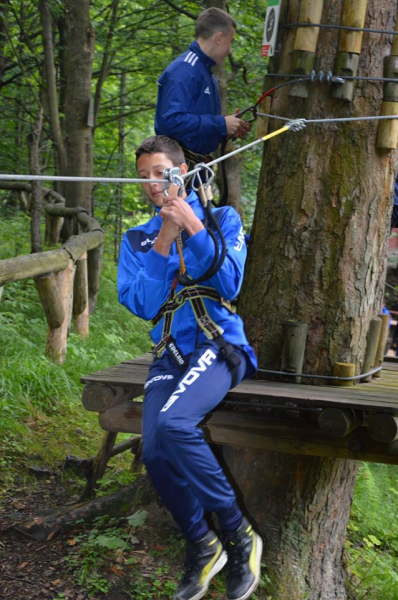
x,y
42,420
40,403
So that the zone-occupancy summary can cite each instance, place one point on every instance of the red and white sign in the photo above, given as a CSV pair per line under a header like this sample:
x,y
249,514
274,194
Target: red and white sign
x,y
270,28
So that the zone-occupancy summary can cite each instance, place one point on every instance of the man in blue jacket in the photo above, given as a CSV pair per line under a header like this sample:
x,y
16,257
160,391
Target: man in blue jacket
x,y
189,106
201,352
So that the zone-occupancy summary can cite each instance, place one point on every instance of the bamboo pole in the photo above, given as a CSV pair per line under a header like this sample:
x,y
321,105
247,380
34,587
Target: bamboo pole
x,y
294,348
47,288
57,338
387,131
343,370
371,346
350,45
307,37
381,348
303,59
80,298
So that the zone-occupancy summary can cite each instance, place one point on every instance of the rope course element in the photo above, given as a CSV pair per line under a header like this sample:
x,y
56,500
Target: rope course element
x,y
335,120
344,27
331,377
341,77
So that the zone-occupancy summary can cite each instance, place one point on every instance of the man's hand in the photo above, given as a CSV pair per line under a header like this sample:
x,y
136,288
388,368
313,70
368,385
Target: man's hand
x,y
177,215
237,127
180,213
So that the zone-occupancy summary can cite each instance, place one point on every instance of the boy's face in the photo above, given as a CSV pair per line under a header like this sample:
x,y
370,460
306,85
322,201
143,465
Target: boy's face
x,y
151,166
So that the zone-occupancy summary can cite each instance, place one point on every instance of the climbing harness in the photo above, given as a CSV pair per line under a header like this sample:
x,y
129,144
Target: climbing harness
x,y
195,295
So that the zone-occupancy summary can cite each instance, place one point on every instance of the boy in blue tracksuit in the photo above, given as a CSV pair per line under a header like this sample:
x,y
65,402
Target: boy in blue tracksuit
x,y
189,106
194,368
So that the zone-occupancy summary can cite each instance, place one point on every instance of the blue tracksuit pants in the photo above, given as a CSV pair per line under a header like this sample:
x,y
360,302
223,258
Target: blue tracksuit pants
x,y
183,469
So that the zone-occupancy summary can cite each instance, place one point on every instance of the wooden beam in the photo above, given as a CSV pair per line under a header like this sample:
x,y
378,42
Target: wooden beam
x,y
47,288
297,436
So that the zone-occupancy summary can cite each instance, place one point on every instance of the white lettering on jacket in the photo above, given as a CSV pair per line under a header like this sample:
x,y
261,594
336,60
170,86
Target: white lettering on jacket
x,y
158,378
240,241
203,362
148,241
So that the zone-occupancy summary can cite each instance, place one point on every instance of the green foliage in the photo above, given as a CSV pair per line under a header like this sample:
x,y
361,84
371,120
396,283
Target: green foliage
x,y
372,543
37,396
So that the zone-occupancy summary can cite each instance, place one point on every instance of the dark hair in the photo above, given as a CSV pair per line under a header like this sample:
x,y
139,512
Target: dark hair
x,y
212,20
164,144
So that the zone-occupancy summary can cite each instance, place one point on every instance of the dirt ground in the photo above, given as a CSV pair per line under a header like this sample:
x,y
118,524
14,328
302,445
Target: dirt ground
x,y
32,570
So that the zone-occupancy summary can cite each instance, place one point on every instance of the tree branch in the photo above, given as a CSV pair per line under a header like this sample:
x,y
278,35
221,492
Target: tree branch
x,y
181,10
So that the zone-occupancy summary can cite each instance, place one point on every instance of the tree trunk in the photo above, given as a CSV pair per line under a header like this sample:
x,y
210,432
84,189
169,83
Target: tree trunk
x,y
36,205
51,84
3,37
233,166
80,44
318,256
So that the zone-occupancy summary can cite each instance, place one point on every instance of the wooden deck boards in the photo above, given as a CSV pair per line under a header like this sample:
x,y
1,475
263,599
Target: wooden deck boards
x,y
381,393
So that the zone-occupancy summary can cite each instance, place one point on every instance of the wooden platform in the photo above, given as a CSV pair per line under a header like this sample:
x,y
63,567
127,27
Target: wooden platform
x,y
284,417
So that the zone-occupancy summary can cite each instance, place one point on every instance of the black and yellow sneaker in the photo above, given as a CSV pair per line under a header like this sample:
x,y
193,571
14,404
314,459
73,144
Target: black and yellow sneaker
x,y
244,548
205,558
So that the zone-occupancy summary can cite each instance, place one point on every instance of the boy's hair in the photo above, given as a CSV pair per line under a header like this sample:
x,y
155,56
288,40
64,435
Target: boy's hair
x,y
163,144
212,20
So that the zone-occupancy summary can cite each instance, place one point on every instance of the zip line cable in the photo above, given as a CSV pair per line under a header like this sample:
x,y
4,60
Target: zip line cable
x,y
341,27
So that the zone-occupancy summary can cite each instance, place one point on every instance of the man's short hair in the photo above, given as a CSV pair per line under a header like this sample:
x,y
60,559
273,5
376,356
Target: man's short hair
x,y
212,20
163,144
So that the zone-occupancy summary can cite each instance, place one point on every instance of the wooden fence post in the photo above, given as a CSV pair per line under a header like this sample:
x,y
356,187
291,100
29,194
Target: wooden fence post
x,y
57,338
80,298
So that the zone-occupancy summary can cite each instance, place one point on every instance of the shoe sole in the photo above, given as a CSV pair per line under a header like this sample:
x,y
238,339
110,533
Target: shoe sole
x,y
218,565
255,583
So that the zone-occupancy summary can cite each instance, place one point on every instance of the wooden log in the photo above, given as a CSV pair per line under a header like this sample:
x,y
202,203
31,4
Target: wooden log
x,y
98,398
385,319
76,245
349,49
354,14
383,427
1,291
120,503
47,288
338,422
32,265
307,37
80,298
297,436
343,370
99,466
371,346
387,132
294,348
303,59
94,263
57,338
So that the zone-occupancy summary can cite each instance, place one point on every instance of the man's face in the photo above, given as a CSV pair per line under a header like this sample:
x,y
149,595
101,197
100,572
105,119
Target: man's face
x,y
223,45
151,166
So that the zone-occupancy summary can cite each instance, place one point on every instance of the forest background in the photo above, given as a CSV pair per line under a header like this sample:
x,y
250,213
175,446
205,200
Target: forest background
x,y
41,417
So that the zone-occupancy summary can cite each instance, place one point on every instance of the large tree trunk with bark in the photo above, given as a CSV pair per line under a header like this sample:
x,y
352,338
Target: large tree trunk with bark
x,y
318,256
78,132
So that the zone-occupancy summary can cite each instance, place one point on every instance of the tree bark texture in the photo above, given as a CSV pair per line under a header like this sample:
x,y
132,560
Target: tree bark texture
x,y
233,165
3,37
317,256
320,229
302,514
51,83
34,163
80,45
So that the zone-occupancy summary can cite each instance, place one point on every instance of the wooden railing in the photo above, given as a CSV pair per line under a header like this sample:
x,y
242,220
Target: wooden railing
x,y
67,279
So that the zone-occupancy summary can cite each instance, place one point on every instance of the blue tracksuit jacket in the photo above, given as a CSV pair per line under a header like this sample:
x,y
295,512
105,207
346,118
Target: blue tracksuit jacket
x,y
189,106
145,277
